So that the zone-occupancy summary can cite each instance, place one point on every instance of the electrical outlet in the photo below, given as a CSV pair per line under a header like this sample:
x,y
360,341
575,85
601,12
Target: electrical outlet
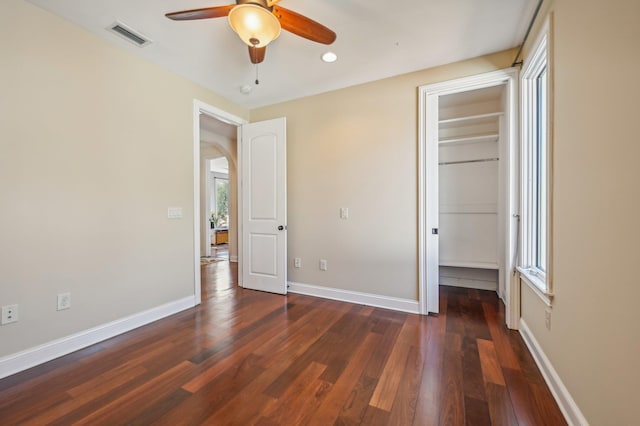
x,y
64,301
9,314
344,212
323,264
297,262
547,318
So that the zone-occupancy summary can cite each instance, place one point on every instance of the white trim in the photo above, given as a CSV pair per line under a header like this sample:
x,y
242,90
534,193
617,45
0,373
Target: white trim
x,y
469,283
568,406
535,284
200,107
428,194
19,361
540,58
387,302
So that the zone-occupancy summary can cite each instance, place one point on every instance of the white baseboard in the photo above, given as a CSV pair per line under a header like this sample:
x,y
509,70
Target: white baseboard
x,y
394,303
468,283
568,406
40,354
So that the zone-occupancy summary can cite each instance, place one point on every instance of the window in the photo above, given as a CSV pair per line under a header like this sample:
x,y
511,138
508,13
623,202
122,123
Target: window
x,y
219,202
536,105
222,200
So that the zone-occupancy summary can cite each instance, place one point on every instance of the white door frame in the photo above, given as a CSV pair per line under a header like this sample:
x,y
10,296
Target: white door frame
x,y
199,108
428,207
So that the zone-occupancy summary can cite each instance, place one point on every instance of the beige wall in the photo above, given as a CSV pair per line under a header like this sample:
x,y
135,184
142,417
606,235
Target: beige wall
x,y
594,341
357,148
95,145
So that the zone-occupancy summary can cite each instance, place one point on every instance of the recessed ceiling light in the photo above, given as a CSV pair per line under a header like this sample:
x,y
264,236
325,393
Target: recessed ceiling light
x,y
329,57
245,89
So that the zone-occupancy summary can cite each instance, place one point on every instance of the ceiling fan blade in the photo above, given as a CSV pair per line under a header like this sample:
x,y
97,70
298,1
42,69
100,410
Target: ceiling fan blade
x,y
302,26
204,13
256,54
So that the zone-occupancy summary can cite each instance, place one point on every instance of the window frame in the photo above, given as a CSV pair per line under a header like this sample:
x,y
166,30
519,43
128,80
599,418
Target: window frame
x,y
214,177
538,63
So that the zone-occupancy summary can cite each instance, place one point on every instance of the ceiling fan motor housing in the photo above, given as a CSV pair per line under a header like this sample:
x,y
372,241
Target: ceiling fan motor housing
x,y
261,3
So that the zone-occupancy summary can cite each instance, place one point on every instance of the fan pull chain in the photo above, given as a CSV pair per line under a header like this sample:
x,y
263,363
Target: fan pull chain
x,y
257,81
255,55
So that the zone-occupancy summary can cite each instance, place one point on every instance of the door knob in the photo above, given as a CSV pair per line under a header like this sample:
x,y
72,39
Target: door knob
x,y
280,228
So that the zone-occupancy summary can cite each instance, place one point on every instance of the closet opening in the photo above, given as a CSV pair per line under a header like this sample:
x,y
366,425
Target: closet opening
x,y
470,139
468,188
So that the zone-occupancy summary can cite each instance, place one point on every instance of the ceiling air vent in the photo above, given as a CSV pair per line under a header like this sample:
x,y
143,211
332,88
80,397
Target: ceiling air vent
x,y
129,34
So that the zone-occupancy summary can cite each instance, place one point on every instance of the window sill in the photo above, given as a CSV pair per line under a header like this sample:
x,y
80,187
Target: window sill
x,y
536,284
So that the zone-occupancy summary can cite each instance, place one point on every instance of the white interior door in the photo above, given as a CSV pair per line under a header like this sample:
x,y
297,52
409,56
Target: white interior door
x,y
264,206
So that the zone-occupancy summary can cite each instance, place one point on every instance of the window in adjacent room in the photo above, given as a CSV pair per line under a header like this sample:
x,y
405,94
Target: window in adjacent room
x,y
536,104
222,200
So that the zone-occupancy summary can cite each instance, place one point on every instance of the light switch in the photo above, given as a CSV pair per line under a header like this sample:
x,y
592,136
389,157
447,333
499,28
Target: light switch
x,y
174,213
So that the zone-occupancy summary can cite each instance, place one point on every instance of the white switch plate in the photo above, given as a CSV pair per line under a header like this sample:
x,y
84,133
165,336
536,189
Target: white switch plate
x,y
323,264
297,262
174,213
9,314
344,212
64,301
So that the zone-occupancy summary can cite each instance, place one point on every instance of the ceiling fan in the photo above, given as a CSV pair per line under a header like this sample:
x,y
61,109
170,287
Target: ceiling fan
x,y
258,23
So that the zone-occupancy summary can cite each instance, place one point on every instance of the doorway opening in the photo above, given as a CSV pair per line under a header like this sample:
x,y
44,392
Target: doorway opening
x,y
468,188
215,143
221,205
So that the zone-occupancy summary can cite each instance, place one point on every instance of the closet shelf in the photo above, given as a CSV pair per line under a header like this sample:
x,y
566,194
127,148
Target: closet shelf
x,y
469,139
479,117
476,265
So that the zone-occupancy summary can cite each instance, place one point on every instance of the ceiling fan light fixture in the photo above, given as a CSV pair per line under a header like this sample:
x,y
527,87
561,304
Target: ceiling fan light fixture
x,y
255,25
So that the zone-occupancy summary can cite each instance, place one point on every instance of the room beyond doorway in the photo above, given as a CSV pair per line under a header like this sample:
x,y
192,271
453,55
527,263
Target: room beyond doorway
x,y
218,188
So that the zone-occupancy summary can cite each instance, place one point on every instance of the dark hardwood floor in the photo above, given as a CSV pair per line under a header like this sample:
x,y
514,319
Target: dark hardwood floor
x,y
245,357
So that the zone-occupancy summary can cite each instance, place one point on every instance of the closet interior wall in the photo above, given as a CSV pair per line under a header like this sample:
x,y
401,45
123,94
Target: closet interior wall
x,y
471,129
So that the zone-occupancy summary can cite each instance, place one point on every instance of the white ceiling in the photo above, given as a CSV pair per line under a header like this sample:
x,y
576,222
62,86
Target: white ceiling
x,y
376,39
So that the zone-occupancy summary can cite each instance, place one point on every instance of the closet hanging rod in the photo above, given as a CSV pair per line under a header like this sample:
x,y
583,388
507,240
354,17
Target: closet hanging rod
x,y
533,19
480,160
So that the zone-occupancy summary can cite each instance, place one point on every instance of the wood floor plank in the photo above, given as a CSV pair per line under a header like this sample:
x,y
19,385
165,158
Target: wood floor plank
x,y
224,354
301,399
158,411
472,370
428,404
498,331
330,408
276,356
491,371
347,333
357,403
476,412
404,405
245,357
546,405
523,401
132,403
375,417
90,391
215,394
385,392
452,395
500,407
